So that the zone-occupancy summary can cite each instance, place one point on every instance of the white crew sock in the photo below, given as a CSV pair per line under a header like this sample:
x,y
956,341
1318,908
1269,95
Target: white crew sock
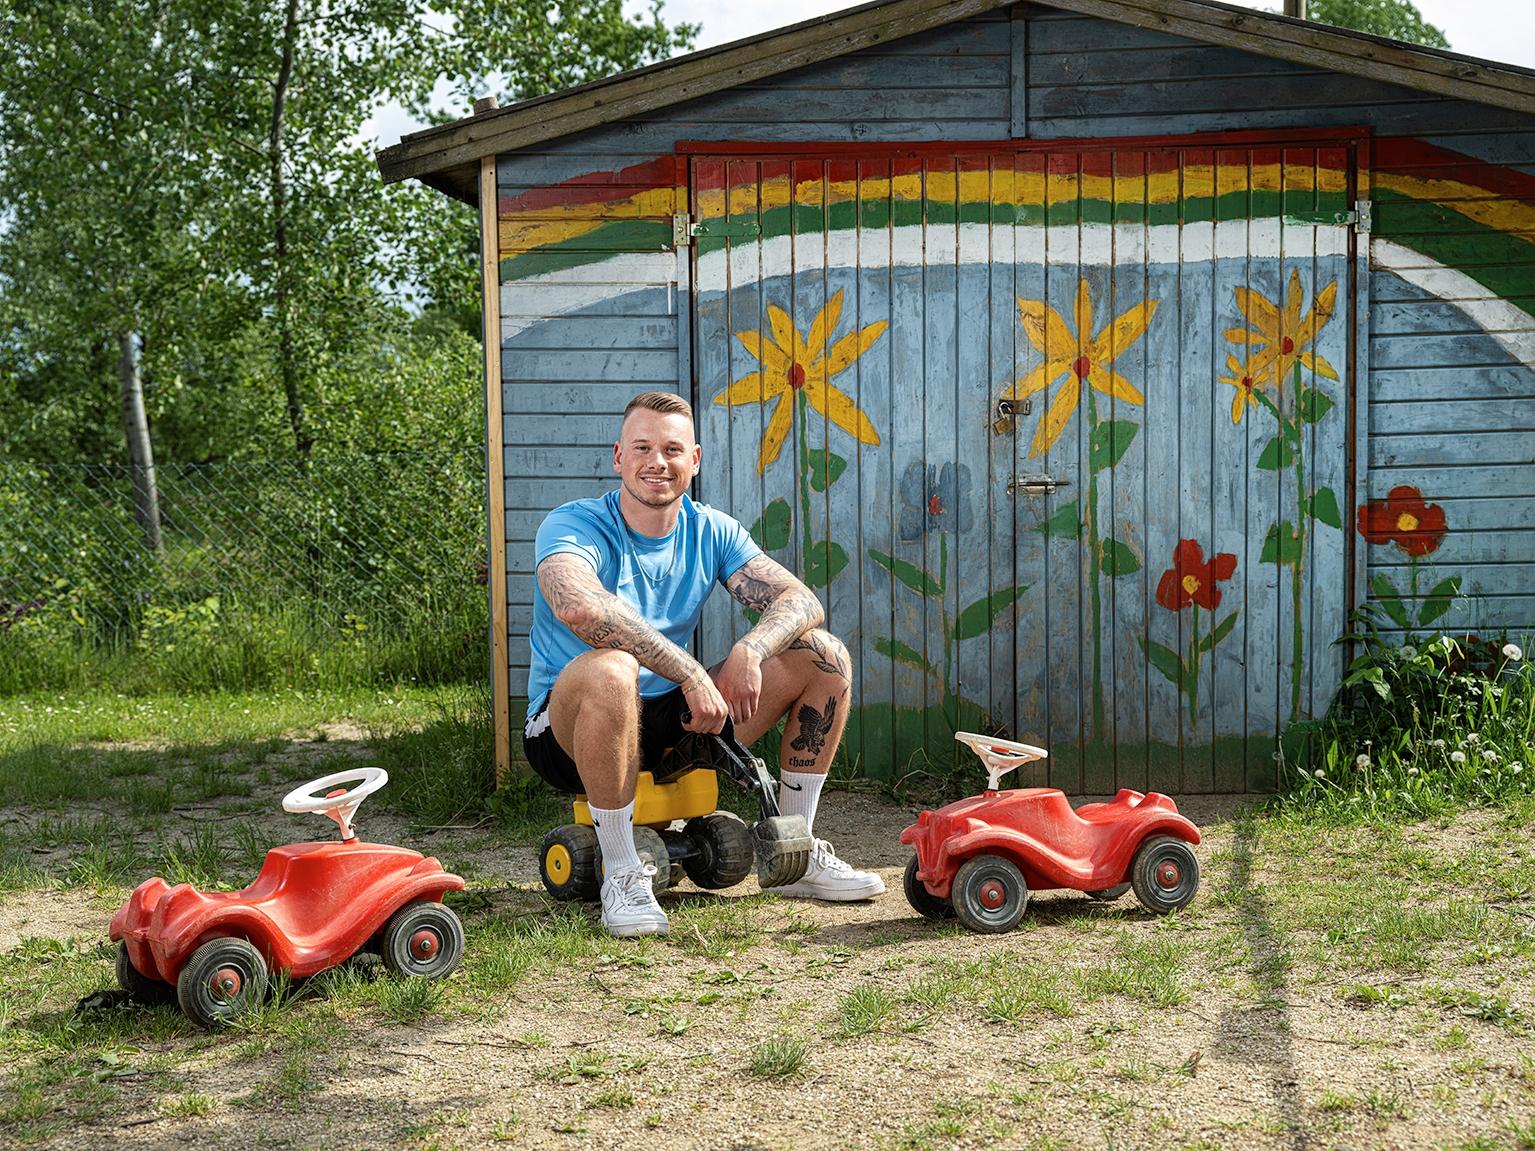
x,y
615,836
799,792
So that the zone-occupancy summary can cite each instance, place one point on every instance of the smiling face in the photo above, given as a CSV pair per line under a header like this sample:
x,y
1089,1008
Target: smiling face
x,y
656,457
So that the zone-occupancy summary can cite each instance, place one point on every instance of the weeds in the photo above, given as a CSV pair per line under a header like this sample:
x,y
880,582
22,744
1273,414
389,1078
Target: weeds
x,y
782,1057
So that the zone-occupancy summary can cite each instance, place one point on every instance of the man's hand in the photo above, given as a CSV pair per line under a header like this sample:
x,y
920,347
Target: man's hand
x,y
740,682
707,710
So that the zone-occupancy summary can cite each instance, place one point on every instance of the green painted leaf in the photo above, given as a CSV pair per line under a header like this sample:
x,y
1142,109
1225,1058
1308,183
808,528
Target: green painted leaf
x,y
822,563
1109,442
771,531
901,653
1390,600
1116,559
909,574
1281,545
825,467
1279,452
1166,661
1222,630
977,618
1314,404
1065,524
1323,507
1439,600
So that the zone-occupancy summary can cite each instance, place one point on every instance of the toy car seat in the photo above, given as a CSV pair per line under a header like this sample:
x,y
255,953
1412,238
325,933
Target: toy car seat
x,y
715,849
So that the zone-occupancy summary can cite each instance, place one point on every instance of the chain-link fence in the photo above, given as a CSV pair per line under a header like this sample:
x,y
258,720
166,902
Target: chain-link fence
x,y
362,554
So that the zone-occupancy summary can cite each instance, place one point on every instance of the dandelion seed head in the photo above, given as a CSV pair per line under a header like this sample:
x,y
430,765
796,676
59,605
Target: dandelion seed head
x,y
1361,761
1457,757
1512,652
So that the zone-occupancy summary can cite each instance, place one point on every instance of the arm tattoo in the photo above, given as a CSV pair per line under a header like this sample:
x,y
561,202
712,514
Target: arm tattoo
x,y
601,620
787,607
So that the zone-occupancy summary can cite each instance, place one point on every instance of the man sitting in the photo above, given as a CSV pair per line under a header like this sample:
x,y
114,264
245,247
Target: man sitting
x,y
621,582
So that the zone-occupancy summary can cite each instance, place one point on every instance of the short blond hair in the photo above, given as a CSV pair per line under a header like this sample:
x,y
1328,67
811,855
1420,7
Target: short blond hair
x,y
666,402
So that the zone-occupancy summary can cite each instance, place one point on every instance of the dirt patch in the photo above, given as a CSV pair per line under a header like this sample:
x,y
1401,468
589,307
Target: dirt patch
x,y
1234,1024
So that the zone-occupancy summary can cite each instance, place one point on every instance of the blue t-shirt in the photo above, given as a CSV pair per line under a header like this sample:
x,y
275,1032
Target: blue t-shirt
x,y
665,579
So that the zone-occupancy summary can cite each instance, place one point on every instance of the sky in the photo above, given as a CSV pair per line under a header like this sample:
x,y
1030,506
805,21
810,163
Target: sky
x,y
1495,29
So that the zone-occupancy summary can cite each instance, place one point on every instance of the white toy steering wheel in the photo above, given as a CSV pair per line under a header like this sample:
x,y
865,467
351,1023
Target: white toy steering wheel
x,y
999,755
340,807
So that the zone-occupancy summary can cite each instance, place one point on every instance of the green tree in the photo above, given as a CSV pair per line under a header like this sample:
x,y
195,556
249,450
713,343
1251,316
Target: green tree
x,y
195,173
1398,19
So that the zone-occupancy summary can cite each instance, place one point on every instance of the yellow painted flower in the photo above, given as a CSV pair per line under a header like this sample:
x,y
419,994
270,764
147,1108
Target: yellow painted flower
x,y
1080,357
1247,377
1284,334
791,363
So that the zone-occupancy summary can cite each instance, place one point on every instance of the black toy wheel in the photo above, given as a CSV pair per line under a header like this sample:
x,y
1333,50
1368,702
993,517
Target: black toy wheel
x,y
677,845
989,894
568,863
1109,894
425,940
223,979
1164,873
923,901
724,851
651,848
140,987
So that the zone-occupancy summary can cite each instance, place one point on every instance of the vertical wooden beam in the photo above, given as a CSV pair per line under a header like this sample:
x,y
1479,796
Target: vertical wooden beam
x,y
1018,76
495,468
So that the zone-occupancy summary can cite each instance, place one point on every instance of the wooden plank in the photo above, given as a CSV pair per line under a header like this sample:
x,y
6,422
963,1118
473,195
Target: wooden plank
x,y
625,333
1431,315
575,365
1318,46
1488,449
871,105
1471,352
550,493
490,300
1453,383
1467,418
1463,479
1157,65
660,86
876,73
1200,95
1462,548
1018,95
1487,579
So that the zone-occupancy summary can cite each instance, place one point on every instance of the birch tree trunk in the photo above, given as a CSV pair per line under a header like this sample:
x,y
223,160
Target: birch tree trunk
x,y
287,363
141,456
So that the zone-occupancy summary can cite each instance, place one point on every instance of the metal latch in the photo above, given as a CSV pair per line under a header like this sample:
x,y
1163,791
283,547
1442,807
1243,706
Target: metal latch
x,y
1008,410
1036,485
1359,217
685,229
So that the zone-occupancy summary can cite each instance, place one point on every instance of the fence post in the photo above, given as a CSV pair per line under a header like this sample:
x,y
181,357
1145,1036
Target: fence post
x,y
146,494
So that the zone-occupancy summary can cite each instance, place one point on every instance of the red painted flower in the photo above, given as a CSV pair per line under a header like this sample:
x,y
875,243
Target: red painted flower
x,y
1192,580
1403,518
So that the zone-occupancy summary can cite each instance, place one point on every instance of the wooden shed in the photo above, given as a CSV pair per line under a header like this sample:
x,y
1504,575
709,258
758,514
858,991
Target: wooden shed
x,y
1094,360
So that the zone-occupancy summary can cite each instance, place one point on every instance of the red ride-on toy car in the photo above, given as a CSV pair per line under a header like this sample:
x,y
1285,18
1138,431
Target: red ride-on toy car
x,y
979,858
313,906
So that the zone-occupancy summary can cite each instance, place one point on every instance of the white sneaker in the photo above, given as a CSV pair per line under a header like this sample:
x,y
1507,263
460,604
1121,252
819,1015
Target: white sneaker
x,y
831,879
629,904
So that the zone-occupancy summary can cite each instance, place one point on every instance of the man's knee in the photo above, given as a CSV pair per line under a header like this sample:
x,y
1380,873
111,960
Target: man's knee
x,y
606,676
827,654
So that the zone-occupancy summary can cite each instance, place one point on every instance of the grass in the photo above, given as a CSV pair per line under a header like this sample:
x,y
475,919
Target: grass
x,y
1377,920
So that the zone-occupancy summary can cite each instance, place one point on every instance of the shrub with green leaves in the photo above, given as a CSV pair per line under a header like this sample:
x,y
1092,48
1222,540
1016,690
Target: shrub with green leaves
x,y
1418,728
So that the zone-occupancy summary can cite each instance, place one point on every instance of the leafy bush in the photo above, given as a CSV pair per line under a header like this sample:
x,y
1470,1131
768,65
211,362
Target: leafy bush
x,y
1417,729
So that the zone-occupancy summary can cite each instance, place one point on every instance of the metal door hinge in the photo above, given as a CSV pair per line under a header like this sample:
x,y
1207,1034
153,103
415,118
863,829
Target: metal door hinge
x,y
1036,485
685,229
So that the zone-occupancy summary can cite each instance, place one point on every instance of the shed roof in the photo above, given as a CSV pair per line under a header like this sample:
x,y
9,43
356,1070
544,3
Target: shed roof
x,y
447,156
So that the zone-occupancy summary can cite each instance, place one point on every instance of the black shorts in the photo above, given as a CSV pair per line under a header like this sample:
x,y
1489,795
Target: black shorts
x,y
661,730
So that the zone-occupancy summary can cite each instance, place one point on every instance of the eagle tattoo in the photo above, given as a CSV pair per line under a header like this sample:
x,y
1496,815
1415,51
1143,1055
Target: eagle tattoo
x,y
814,727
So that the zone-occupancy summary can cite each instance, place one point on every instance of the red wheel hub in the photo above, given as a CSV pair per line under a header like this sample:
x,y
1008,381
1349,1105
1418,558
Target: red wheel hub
x,y
1169,874
424,945
227,982
992,894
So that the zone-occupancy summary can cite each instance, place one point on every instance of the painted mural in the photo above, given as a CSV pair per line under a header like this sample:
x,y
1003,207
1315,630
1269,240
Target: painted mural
x,y
1146,553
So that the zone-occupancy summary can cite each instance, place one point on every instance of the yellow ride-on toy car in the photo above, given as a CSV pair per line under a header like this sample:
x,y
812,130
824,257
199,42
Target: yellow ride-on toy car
x,y
715,849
